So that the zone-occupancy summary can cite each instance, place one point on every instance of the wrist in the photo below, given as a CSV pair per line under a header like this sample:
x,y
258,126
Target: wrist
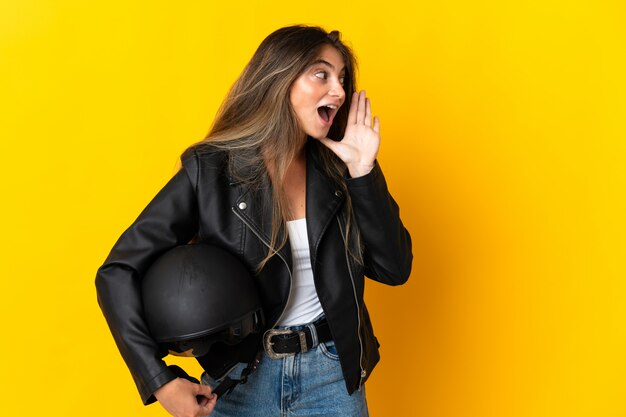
x,y
358,170
164,389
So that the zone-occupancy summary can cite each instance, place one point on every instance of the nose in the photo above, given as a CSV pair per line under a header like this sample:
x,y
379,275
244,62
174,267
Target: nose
x,y
336,90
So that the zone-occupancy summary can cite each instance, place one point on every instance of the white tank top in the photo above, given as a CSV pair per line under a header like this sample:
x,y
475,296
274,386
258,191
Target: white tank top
x,y
303,306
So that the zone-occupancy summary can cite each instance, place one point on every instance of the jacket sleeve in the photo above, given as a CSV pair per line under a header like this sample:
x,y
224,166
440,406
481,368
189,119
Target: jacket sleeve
x,y
169,220
388,253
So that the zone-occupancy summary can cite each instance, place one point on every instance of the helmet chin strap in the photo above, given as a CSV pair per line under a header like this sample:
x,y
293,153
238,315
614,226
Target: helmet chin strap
x,y
227,384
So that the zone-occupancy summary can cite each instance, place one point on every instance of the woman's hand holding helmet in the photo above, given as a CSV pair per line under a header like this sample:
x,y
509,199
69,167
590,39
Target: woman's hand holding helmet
x,y
361,140
179,398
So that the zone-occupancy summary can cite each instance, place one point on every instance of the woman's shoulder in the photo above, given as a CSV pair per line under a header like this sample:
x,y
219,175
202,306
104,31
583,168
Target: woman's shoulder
x,y
204,156
205,151
204,160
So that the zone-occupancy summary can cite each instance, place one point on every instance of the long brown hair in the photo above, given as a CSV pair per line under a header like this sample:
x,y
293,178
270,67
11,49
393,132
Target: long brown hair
x,y
256,122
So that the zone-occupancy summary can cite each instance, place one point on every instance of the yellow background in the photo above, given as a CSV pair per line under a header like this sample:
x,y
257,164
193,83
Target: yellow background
x,y
504,142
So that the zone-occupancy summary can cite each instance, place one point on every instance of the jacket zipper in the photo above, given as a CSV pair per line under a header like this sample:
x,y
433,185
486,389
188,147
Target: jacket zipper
x,y
358,309
279,255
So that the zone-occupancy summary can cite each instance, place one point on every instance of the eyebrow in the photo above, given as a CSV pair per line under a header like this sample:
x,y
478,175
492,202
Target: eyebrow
x,y
323,61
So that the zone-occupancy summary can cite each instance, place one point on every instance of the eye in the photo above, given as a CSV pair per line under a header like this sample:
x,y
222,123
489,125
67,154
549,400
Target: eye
x,y
342,79
322,75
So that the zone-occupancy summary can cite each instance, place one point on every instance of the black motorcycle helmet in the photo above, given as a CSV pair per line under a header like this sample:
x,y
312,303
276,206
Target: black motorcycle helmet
x,y
195,296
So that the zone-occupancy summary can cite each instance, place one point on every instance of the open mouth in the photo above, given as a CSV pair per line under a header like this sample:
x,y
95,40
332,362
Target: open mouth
x,y
327,113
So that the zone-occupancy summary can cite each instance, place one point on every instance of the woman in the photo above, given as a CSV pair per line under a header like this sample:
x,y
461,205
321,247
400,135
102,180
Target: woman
x,y
287,179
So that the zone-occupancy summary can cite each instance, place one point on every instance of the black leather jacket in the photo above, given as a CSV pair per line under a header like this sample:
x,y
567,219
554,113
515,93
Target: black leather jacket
x,y
203,201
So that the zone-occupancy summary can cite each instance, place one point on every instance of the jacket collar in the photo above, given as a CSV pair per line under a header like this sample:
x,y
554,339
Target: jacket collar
x,y
322,202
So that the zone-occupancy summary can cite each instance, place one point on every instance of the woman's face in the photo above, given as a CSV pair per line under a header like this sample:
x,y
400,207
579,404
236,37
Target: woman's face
x,y
317,93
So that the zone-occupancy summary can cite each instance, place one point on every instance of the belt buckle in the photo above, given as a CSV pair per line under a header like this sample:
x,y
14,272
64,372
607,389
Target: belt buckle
x,y
267,344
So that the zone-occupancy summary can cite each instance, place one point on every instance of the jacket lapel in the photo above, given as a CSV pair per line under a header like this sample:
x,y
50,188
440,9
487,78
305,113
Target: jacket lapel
x,y
322,199
322,202
254,207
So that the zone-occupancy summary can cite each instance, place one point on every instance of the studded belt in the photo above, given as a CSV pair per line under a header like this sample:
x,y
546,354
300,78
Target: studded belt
x,y
279,343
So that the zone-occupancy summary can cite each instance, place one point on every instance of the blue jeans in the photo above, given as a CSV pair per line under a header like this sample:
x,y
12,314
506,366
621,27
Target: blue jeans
x,y
305,384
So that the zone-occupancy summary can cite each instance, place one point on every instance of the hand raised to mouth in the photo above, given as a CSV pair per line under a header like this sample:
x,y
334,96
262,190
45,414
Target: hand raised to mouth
x,y
361,140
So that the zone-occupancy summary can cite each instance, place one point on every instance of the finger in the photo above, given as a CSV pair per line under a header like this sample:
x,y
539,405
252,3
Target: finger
x,y
204,390
329,143
207,408
377,125
353,106
368,112
360,111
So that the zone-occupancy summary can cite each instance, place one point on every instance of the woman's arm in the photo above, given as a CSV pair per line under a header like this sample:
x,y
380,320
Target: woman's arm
x,y
170,219
388,250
